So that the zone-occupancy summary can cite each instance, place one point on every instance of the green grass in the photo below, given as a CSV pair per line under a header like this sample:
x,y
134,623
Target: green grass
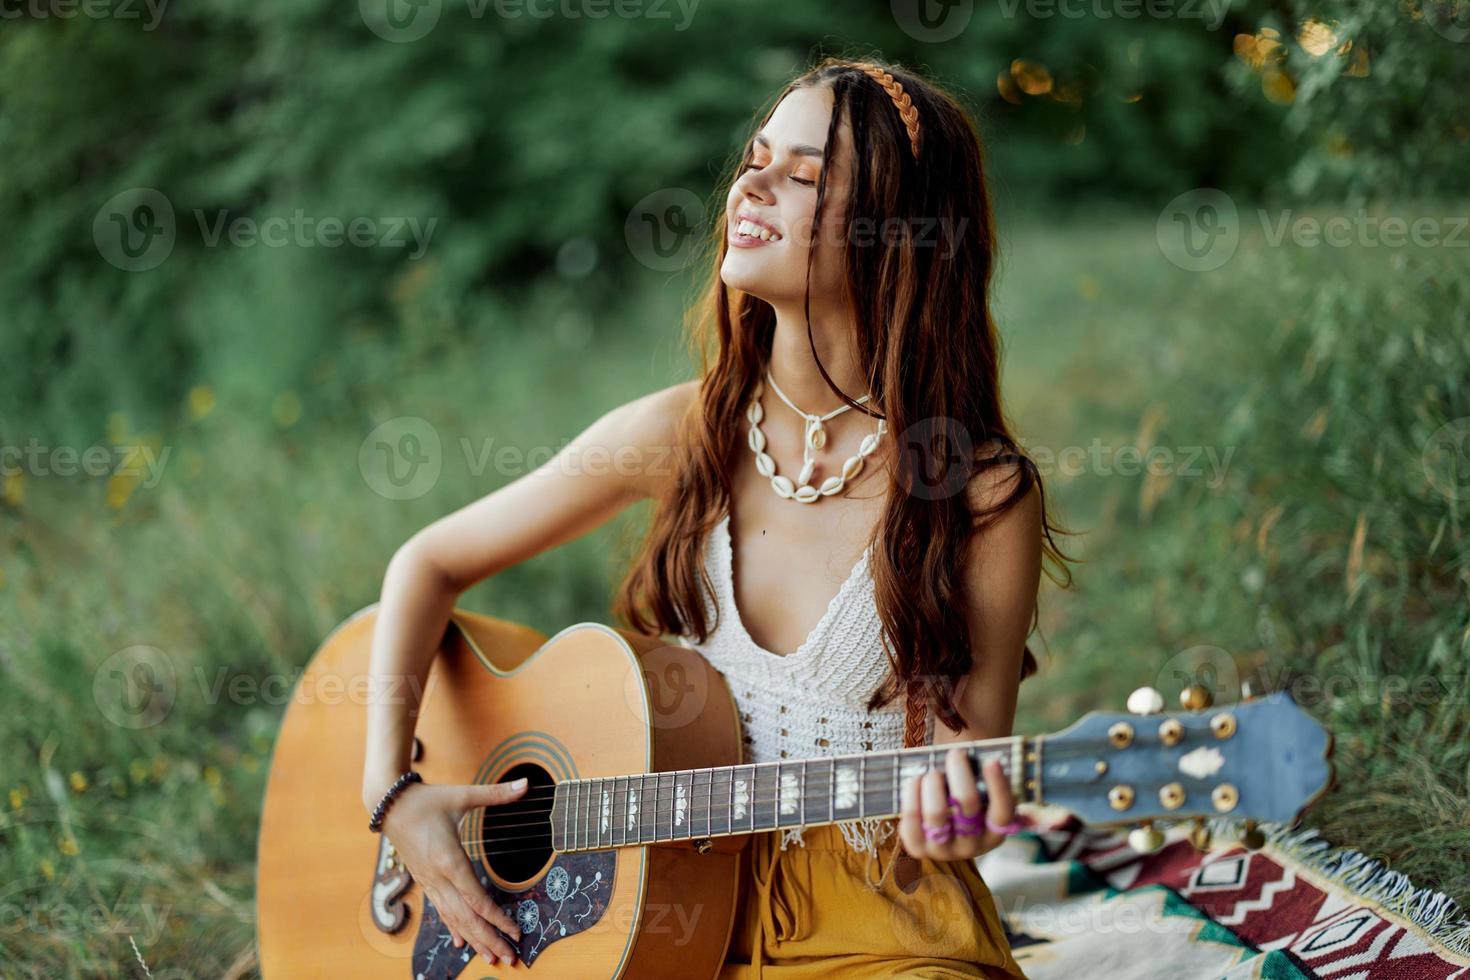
x,y
1324,549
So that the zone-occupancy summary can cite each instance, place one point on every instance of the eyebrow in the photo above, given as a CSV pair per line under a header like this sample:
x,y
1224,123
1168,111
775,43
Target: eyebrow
x,y
796,149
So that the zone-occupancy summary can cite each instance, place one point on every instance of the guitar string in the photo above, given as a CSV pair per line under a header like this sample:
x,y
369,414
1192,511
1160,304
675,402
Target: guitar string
x,y
542,793
706,810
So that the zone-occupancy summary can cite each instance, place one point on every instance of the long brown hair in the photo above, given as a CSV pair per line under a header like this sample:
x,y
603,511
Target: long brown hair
x,y
929,351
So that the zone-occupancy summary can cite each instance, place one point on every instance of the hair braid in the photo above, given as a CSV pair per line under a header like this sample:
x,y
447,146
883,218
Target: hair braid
x,y
907,111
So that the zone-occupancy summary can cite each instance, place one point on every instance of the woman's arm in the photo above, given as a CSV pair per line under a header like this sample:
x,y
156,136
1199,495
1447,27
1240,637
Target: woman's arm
x,y
617,460
1003,572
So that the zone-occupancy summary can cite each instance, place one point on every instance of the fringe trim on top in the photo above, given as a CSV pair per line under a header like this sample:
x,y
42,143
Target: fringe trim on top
x,y
1372,880
863,836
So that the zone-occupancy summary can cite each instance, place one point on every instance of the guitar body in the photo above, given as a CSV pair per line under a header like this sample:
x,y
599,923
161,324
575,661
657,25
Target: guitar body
x,y
501,701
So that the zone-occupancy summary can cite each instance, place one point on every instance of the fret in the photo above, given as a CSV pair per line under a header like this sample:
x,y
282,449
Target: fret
x,y
649,807
597,789
602,800
831,790
767,789
583,794
776,799
657,809
895,807
727,801
629,795
803,792
709,805
658,806
579,816
611,786
679,807
569,825
639,806
753,795
587,792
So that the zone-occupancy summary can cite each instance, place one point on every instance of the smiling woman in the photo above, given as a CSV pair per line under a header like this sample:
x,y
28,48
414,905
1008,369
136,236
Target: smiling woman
x,y
846,489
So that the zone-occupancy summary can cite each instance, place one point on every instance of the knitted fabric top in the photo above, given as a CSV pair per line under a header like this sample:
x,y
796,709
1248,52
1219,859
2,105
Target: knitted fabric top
x,y
812,702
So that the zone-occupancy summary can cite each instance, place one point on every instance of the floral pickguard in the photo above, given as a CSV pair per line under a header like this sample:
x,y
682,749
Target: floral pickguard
x,y
569,898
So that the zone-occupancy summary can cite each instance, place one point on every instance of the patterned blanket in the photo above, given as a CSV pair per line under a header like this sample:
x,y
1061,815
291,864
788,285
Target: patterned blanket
x,y
1081,904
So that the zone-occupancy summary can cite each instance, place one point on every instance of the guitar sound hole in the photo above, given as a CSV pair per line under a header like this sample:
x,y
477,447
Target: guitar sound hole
x,y
514,839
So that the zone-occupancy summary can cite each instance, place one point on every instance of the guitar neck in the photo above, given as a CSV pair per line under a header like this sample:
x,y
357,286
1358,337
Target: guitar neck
x,y
658,807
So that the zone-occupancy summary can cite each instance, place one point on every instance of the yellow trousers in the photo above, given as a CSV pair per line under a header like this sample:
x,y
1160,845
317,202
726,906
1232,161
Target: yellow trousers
x,y
808,913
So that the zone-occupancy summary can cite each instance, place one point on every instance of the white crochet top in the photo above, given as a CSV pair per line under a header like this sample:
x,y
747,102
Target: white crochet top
x,y
812,702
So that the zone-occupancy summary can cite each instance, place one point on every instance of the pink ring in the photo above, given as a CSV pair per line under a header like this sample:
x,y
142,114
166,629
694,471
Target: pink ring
x,y
1005,830
939,835
965,824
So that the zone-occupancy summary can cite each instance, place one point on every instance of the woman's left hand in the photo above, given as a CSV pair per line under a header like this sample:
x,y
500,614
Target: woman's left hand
x,y
926,804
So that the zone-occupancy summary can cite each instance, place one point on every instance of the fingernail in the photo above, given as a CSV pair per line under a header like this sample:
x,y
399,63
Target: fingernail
x,y
518,783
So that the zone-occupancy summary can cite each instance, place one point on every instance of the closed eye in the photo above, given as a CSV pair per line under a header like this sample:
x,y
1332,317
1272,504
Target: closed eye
x,y
799,180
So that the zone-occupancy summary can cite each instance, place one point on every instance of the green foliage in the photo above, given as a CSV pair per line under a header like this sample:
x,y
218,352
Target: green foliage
x,y
519,135
1329,560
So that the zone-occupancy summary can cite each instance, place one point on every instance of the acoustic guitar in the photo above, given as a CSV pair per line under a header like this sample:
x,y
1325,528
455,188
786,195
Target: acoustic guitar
x,y
622,857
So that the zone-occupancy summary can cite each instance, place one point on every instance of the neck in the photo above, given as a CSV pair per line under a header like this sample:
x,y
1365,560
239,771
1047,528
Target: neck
x,y
795,369
622,811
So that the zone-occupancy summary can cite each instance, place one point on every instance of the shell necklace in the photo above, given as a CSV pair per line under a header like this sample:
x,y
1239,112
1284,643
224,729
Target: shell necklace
x,y
815,438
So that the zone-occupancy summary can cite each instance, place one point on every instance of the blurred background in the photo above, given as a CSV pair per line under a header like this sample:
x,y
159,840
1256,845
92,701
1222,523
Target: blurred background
x,y
285,282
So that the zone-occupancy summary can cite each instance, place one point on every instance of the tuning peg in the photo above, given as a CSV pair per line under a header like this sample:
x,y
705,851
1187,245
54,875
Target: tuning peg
x,y
1200,836
1251,837
1196,697
1145,838
1145,701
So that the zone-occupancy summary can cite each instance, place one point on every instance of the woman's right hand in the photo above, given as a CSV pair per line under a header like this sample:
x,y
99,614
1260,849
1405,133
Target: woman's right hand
x,y
423,824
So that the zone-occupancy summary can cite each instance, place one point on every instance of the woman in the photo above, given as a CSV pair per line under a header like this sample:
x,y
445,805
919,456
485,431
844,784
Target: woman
x,y
851,283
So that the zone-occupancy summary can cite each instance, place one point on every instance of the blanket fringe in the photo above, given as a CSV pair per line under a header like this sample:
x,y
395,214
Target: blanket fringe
x,y
1369,878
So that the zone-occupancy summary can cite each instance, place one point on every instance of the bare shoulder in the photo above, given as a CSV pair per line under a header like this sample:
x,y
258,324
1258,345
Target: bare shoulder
x,y
650,427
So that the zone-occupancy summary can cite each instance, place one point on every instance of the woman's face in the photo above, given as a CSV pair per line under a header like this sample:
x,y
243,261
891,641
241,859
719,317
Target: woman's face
x,y
778,193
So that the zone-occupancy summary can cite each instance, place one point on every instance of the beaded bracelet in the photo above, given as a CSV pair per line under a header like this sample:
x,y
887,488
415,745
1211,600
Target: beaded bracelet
x,y
376,823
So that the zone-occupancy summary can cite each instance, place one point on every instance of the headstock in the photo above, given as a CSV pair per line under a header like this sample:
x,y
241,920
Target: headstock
x,y
1259,760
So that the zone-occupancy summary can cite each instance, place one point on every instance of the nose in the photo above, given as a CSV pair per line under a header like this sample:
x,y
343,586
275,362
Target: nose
x,y
754,187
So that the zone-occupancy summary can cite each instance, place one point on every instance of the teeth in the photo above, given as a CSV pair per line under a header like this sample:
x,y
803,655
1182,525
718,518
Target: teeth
x,y
753,230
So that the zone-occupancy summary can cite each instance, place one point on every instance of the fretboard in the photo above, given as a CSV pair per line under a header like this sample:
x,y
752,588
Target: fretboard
x,y
622,811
